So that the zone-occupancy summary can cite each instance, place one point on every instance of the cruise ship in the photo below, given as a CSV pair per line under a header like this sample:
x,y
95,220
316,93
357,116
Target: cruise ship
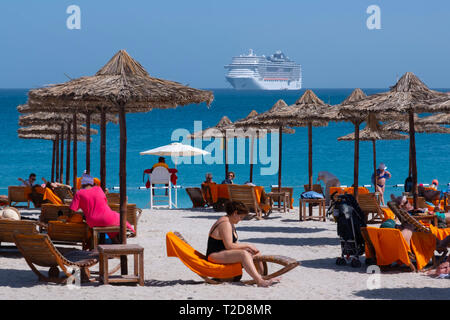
x,y
252,72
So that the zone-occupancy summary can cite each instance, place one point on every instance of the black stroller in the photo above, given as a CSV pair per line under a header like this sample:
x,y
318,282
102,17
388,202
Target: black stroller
x,y
350,219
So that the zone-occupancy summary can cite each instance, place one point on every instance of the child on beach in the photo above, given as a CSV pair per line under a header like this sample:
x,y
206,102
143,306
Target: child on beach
x,y
223,246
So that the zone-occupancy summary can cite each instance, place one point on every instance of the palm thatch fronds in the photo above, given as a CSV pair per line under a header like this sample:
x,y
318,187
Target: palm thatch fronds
x,y
121,82
51,129
402,126
43,136
37,118
438,118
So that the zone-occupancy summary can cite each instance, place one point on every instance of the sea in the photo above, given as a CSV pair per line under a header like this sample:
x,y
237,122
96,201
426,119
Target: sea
x,y
19,157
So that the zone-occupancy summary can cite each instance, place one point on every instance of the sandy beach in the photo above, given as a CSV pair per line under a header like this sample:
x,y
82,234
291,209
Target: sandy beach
x,y
314,244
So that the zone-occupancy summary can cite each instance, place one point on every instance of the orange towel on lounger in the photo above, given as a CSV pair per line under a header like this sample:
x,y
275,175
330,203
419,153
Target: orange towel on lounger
x,y
197,262
390,246
440,233
423,245
52,197
387,214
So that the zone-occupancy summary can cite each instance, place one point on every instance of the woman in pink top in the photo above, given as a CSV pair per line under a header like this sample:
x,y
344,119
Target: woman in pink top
x,y
92,201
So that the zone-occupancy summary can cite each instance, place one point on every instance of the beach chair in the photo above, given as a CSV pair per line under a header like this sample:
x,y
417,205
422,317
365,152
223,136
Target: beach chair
x,y
64,193
17,194
369,205
405,217
245,194
51,212
285,201
401,254
113,198
9,227
61,232
214,273
196,196
38,250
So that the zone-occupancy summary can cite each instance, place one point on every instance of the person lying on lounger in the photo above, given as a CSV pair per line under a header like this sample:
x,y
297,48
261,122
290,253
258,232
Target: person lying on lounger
x,y
224,248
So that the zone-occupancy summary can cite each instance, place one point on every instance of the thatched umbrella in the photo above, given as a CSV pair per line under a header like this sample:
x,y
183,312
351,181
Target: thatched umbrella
x,y
66,119
269,120
438,118
408,96
218,131
373,132
121,86
52,137
426,126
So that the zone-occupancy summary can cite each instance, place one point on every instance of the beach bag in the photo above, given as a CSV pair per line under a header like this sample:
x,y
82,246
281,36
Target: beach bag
x,y
311,195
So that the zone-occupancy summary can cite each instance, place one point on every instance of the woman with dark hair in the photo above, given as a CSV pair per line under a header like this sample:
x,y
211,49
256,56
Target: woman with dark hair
x,y
224,248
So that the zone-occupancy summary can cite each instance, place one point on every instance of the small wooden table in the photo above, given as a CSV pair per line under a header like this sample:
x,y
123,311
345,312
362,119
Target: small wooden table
x,y
302,209
281,196
117,250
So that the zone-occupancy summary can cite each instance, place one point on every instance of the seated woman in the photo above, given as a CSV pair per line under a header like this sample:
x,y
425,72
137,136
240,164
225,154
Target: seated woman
x,y
92,200
224,248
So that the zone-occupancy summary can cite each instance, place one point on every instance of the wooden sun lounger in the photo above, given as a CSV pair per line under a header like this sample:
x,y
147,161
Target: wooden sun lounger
x,y
196,196
287,263
133,214
69,233
245,194
38,250
369,205
9,227
16,194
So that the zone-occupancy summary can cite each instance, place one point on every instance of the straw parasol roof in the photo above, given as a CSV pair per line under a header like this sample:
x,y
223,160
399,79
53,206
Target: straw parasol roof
x,y
46,136
56,117
122,85
121,81
408,96
438,118
51,129
403,126
373,132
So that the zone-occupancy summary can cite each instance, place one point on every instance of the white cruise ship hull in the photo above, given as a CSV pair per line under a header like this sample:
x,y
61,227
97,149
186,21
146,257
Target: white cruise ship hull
x,y
240,83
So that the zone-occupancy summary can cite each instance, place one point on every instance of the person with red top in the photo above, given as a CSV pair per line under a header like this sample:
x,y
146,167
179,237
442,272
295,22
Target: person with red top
x,y
92,201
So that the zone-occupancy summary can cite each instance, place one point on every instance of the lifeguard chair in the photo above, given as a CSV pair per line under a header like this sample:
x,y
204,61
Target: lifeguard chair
x,y
161,176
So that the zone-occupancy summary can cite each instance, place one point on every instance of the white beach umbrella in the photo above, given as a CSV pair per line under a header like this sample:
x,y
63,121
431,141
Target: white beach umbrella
x,y
175,149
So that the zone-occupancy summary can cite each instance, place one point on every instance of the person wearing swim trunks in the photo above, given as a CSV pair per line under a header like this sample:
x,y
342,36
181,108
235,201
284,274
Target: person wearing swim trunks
x,y
223,246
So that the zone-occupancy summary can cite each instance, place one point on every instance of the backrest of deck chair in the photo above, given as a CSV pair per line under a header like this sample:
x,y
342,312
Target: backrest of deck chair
x,y
37,249
113,197
51,211
17,194
404,216
283,189
245,194
9,227
133,213
160,175
196,196
70,232
369,204
63,192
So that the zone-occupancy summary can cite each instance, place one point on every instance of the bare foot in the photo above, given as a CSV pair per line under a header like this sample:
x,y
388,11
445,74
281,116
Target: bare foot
x,y
267,283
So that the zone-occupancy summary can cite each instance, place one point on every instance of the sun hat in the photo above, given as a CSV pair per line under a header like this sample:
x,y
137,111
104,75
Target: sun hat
x,y
87,179
389,223
382,166
10,213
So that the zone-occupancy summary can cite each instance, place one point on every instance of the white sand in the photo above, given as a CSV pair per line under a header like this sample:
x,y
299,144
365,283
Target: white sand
x,y
314,244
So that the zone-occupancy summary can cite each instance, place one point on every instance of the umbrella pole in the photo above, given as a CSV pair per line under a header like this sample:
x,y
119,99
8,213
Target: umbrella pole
x,y
53,159
410,159
61,169
75,152
226,156
280,147
356,162
251,158
57,159
375,179
103,149
68,154
88,143
310,171
412,134
123,185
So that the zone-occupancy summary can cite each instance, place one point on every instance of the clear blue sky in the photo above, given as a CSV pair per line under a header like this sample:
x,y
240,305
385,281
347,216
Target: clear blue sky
x,y
191,41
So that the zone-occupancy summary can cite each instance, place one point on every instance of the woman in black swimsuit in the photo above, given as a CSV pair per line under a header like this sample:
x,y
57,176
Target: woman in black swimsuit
x,y
223,246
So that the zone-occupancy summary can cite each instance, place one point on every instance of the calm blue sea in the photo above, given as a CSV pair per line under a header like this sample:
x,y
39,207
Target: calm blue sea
x,y
153,129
